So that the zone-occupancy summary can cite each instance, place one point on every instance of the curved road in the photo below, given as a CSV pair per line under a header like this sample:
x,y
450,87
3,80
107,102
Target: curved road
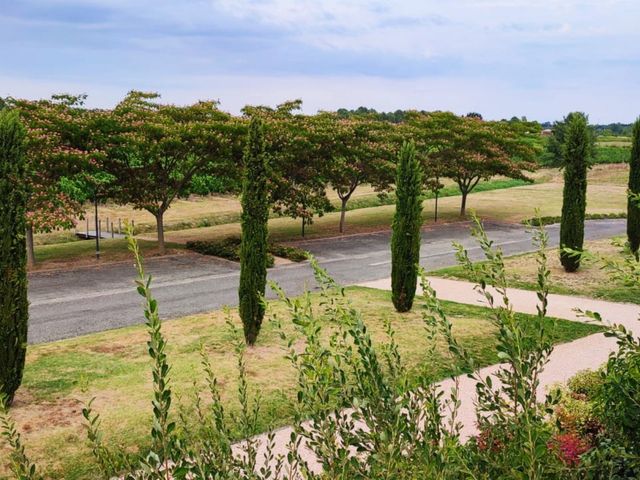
x,y
70,303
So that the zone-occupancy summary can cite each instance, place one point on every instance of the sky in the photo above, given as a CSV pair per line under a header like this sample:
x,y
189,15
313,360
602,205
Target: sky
x,y
534,58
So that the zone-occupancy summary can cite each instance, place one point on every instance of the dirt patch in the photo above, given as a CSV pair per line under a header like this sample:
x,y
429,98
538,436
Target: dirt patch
x,y
34,415
120,349
588,277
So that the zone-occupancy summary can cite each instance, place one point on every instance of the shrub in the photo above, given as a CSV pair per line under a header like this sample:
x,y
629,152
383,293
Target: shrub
x,y
577,152
229,248
611,154
405,237
575,413
253,244
569,447
633,209
550,220
619,396
294,254
586,382
14,307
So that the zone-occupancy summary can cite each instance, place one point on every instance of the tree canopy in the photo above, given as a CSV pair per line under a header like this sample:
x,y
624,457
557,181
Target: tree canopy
x,y
156,150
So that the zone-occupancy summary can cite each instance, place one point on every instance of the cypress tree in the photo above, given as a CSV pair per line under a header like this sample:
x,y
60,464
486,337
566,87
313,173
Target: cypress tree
x,y
253,247
14,313
407,221
633,209
577,151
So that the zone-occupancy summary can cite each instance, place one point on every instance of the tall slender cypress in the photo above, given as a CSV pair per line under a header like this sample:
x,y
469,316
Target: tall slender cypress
x,y
14,313
576,151
633,209
405,238
253,247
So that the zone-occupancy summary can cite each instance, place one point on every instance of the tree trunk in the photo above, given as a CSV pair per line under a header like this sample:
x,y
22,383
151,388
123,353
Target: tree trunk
x,y
31,253
160,226
303,222
463,205
343,212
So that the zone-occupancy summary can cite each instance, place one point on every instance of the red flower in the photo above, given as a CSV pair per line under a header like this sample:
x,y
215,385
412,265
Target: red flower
x,y
569,447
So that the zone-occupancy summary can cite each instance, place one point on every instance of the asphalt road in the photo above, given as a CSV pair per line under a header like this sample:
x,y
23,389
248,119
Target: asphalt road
x,y
76,302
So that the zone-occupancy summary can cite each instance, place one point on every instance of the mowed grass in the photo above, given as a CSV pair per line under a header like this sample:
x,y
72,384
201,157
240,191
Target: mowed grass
x,y
113,368
606,194
83,253
589,281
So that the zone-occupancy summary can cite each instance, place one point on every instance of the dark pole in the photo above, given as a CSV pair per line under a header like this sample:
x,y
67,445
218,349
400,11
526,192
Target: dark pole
x,y
437,195
95,202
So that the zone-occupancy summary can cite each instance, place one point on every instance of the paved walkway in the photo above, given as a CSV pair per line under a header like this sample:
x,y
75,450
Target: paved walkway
x,y
565,361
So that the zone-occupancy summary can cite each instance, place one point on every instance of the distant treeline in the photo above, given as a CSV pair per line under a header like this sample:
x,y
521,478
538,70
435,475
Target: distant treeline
x,y
399,116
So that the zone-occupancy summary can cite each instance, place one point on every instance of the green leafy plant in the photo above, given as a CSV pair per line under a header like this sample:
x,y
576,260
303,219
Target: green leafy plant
x,y
253,244
633,209
14,307
20,465
406,237
550,220
577,150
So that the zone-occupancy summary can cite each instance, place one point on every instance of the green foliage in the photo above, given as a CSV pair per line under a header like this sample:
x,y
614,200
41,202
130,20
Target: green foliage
x,y
619,397
253,246
298,148
360,151
550,220
229,248
468,149
155,150
19,462
586,382
14,313
577,152
56,147
203,184
406,237
294,254
633,209
607,154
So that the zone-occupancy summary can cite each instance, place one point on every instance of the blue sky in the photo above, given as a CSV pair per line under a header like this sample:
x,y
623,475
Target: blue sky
x,y
501,58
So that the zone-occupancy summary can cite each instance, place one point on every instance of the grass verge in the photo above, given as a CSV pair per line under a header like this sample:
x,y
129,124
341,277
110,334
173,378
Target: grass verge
x,y
589,281
113,368
82,253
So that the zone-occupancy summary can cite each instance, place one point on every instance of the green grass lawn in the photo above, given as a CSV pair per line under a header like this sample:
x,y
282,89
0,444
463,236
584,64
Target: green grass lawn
x,y
79,253
214,210
589,281
113,368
